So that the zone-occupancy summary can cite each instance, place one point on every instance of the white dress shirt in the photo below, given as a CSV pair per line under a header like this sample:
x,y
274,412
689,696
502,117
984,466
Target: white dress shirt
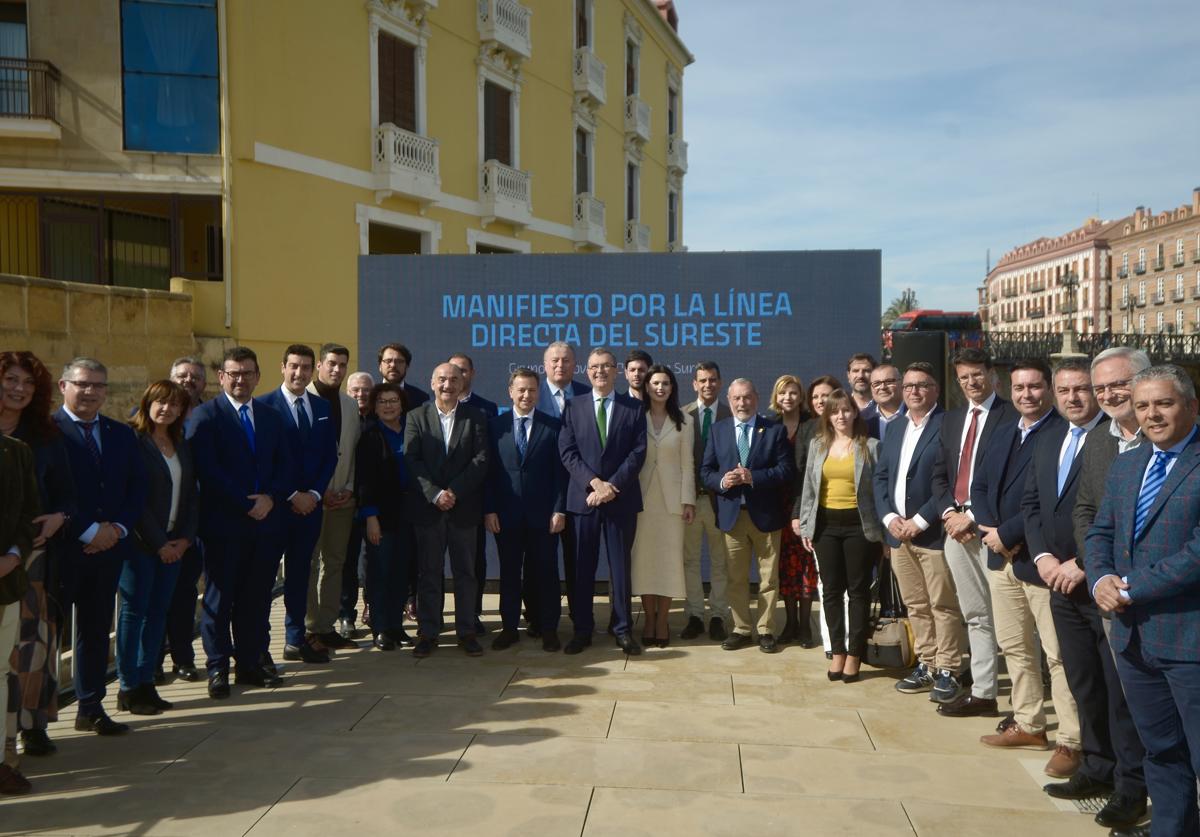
x,y
447,420
912,435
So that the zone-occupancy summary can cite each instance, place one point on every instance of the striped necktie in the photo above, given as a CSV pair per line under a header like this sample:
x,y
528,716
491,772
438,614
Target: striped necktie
x,y
743,444
1150,488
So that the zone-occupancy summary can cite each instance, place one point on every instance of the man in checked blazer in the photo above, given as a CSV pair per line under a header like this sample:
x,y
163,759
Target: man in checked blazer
x,y
1143,566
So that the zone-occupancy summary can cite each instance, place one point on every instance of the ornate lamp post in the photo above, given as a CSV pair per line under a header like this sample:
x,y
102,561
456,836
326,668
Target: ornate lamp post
x,y
1070,346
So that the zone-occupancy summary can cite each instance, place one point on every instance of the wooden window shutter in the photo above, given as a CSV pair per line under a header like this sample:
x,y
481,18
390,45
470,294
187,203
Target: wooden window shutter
x,y
497,117
397,82
387,71
582,169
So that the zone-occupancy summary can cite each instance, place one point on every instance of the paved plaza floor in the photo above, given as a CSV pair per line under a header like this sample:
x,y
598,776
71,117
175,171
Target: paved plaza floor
x,y
686,740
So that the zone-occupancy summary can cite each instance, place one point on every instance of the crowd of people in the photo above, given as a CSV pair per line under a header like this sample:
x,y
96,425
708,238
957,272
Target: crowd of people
x,y
1061,525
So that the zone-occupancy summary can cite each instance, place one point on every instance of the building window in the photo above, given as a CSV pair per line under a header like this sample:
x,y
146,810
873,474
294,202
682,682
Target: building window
x,y
14,83
672,217
1179,283
1141,262
1179,321
497,124
583,23
631,192
672,112
1179,250
170,76
631,68
583,161
1142,292
1141,324
1124,296
1158,289
397,80
1125,263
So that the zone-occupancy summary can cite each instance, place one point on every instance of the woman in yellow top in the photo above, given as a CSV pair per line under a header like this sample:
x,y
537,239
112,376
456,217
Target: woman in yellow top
x,y
838,522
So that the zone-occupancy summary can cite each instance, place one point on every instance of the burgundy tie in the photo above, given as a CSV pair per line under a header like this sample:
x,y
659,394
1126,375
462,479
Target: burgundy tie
x,y
962,483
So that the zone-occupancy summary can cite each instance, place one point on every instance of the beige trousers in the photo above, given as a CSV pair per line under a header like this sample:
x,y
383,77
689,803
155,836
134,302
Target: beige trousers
x,y
325,577
1020,609
705,524
740,541
927,589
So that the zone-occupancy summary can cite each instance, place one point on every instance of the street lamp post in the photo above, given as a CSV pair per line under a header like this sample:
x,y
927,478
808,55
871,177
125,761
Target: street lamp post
x,y
1070,346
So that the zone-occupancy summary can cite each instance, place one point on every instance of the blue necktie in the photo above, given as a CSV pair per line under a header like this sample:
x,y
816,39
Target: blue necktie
x,y
89,440
1064,467
522,442
247,425
1150,488
743,443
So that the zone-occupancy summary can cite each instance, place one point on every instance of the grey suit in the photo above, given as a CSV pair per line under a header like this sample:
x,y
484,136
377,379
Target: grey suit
x,y
864,475
704,524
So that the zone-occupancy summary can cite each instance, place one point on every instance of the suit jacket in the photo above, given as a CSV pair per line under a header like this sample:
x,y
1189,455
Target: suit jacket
x,y
876,427
525,491
772,470
864,478
720,413
549,406
462,468
945,472
112,492
415,396
314,458
1099,452
229,470
19,501
671,459
1163,565
488,408
618,462
152,530
347,442
999,487
919,496
382,484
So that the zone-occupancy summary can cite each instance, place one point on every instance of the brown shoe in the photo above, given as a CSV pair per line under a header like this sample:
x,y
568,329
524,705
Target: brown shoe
x,y
1063,763
12,783
1013,736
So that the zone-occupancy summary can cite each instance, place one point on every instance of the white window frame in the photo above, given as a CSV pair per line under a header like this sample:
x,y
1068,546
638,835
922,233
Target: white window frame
x,y
633,35
1179,321
366,214
504,242
1125,262
414,34
510,81
589,10
1141,324
584,122
1141,264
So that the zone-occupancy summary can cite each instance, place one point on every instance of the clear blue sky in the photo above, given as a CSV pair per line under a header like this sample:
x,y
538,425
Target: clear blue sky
x,y
933,131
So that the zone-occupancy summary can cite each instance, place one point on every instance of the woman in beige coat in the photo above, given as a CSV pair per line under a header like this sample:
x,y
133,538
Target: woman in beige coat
x,y
668,482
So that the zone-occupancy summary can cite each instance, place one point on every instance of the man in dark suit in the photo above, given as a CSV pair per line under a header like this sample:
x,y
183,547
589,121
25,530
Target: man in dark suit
x,y
557,389
312,445
603,446
394,361
748,466
1019,596
1143,567
110,485
706,411
911,512
445,449
245,470
1111,751
967,432
525,509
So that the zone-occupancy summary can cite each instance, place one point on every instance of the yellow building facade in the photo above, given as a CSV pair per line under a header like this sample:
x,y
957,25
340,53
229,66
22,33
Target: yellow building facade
x,y
346,128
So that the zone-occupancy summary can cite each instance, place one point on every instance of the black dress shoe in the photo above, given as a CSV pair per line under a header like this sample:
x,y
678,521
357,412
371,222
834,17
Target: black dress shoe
x,y
335,640
157,699
424,647
767,644
628,644
136,701
186,672
304,652
1121,811
37,743
218,685
384,642
693,628
533,632
100,724
1079,787
402,637
160,676
550,642
267,663
735,641
576,644
505,639
480,628
716,629
1132,831
470,645
257,677
969,706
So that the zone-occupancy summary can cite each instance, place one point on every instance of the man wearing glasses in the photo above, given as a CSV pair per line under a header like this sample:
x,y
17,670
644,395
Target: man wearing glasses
x,y
110,486
246,475
885,395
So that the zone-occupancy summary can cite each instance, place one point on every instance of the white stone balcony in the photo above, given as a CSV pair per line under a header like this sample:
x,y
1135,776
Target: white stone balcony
x,y
589,72
406,164
637,237
677,155
505,194
637,118
506,23
589,221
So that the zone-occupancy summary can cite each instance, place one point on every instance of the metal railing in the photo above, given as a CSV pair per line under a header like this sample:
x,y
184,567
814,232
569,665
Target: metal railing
x,y
28,89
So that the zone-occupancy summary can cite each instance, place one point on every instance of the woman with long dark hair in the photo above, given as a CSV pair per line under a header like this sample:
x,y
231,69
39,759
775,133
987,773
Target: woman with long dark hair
x,y
164,533
668,483
26,403
838,521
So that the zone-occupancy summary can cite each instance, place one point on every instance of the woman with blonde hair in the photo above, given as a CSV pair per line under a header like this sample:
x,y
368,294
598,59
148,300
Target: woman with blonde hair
x,y
838,521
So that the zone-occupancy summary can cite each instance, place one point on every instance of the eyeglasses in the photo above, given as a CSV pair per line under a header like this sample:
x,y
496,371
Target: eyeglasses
x,y
240,375
918,386
388,402
886,383
601,367
1099,389
89,385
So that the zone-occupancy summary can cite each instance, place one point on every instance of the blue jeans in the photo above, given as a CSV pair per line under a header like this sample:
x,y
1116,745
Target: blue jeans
x,y
146,585
387,567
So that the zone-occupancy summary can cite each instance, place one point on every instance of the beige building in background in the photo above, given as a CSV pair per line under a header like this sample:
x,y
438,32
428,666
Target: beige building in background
x,y
1156,261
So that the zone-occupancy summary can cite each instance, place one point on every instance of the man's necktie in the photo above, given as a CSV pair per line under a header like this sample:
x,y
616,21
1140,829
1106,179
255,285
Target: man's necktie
x,y
89,440
560,401
522,440
743,444
1064,467
602,423
706,426
1150,488
247,425
962,482
302,418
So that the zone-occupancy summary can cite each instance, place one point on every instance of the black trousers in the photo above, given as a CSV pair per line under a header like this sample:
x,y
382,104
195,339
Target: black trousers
x,y
434,539
845,560
1112,750
91,586
529,571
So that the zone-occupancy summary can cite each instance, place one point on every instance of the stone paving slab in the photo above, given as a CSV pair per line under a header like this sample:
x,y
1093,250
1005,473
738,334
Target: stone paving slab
x,y
438,713
840,728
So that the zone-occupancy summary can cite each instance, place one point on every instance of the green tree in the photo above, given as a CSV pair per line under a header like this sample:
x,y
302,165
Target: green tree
x,y
907,301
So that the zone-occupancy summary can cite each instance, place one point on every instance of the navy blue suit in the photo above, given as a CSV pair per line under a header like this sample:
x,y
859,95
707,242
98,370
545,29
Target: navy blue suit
x,y
549,406
1157,637
241,555
415,397
772,469
113,491
314,457
618,462
920,498
524,492
490,410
